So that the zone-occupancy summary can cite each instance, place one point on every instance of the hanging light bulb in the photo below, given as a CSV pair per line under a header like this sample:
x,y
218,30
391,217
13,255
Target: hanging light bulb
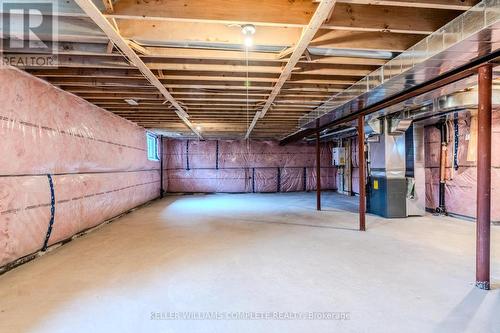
x,y
248,30
248,41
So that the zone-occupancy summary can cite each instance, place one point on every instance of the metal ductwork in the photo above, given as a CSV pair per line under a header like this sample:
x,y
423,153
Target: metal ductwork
x,y
319,51
374,126
372,54
468,37
436,102
398,126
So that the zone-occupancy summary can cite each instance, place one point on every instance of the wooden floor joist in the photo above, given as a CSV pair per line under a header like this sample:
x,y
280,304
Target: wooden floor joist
x,y
190,53
320,15
93,12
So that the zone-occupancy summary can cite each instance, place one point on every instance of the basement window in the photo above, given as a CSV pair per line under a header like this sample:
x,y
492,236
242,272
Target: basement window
x,y
152,141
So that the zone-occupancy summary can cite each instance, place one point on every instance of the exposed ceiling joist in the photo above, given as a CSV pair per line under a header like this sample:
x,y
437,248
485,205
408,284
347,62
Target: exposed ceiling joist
x,y
298,13
320,15
436,4
93,12
194,48
108,4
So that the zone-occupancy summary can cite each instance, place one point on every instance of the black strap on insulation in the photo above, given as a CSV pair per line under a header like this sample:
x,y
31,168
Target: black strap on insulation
x,y
187,154
455,153
278,189
305,179
52,213
253,180
217,155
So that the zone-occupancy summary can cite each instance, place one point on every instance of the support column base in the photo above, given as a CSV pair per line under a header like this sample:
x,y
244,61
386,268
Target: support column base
x,y
485,285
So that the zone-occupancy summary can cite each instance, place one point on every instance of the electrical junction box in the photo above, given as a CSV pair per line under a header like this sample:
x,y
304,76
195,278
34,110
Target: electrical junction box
x,y
338,156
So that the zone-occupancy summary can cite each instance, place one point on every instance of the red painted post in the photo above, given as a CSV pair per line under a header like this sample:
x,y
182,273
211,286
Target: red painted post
x,y
318,173
483,223
362,172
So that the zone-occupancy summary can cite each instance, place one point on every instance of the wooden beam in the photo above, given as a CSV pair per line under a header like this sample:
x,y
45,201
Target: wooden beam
x,y
337,82
276,12
138,48
309,32
225,67
108,4
93,12
266,13
114,92
110,47
125,74
436,4
218,80
286,52
405,20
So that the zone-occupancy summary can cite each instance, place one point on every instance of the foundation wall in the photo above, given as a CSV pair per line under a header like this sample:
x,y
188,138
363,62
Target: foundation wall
x,y
241,166
66,165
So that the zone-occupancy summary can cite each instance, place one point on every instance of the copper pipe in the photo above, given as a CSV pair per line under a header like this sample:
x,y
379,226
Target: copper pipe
x,y
318,173
442,176
483,223
362,172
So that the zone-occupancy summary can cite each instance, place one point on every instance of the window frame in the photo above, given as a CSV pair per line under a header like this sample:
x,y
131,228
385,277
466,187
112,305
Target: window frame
x,y
152,150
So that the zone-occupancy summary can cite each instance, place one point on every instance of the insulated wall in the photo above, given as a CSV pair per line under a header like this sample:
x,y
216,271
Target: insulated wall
x,y
461,177
244,166
66,165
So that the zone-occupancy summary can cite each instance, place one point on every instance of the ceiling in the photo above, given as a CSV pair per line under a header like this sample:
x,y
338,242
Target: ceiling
x,y
195,49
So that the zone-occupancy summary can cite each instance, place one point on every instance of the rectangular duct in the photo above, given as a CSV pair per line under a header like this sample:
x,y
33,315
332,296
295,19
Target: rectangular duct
x,y
469,36
398,126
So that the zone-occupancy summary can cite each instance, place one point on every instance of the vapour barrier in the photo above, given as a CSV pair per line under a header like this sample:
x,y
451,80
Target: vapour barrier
x,y
461,175
244,166
65,165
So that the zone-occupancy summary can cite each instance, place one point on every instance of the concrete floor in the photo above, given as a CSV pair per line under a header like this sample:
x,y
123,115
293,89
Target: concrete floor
x,y
256,253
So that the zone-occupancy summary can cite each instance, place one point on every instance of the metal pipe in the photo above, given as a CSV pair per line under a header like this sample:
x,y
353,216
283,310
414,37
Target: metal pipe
x,y
483,223
361,169
318,173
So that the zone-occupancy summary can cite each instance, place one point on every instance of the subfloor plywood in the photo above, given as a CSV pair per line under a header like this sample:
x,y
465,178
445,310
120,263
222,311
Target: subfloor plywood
x,y
231,253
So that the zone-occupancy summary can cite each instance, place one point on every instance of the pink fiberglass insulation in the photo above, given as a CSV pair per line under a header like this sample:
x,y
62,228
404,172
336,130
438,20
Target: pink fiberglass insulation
x,y
241,166
355,165
460,189
57,146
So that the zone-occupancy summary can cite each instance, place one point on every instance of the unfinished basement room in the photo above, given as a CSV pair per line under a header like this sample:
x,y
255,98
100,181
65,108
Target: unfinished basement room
x,y
250,166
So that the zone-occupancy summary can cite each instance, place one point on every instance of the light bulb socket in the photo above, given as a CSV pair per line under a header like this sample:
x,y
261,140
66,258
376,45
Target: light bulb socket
x,y
248,29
